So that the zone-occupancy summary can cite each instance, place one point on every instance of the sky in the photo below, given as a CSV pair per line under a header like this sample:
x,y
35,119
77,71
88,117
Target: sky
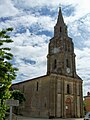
x,y
33,23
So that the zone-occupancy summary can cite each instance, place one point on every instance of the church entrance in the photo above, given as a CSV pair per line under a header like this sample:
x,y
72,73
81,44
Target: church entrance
x,y
68,108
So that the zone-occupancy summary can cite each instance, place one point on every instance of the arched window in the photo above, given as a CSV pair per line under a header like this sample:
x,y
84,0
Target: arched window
x,y
45,105
68,89
67,63
55,64
60,29
23,88
68,48
37,86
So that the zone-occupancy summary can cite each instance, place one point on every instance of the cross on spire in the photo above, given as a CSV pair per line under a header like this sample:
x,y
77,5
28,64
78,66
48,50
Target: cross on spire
x,y
60,5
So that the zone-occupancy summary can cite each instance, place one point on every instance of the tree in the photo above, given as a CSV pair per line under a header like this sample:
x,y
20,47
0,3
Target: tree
x,y
17,95
7,71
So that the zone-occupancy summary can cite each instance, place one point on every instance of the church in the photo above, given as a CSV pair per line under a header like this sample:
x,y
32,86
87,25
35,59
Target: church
x,y
58,94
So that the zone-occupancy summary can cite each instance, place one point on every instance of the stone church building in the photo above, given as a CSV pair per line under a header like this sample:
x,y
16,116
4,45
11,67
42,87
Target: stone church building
x,y
58,94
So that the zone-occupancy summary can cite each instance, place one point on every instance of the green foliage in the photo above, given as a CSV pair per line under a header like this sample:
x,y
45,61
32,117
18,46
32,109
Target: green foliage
x,y
3,109
7,71
18,95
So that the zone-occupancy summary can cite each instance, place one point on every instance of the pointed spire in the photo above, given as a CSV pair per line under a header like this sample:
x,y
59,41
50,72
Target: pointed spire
x,y
60,17
60,28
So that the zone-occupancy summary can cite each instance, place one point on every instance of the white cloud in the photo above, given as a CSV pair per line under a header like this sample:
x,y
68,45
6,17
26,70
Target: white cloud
x,y
83,66
41,22
87,43
30,47
7,8
41,3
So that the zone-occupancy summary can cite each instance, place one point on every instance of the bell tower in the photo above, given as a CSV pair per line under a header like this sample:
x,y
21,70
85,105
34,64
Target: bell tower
x,y
61,56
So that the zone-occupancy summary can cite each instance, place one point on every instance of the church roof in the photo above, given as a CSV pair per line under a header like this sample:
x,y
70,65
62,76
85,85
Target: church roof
x,y
21,82
29,80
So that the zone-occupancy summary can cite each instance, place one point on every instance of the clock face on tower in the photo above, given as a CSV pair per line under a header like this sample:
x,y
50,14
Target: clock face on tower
x,y
55,50
68,70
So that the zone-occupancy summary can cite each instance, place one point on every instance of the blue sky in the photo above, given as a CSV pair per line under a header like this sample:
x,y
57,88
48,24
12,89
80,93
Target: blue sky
x,y
33,23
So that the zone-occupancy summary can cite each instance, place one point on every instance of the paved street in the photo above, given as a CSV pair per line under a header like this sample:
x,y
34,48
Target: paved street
x,y
28,118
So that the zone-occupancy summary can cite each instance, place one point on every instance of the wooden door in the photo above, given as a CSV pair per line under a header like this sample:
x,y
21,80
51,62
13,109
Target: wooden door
x,y
68,108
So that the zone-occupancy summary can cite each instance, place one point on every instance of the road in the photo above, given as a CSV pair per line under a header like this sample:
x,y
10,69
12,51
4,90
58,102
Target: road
x,y
28,118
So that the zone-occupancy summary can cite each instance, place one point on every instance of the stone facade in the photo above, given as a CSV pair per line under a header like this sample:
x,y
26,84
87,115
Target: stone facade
x,y
51,96
59,93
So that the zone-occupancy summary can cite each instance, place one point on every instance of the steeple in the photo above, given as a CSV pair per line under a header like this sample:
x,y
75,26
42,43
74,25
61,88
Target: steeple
x,y
61,56
60,28
60,17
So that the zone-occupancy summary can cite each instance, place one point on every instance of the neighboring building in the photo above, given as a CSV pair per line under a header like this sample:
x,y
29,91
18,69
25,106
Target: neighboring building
x,y
87,102
59,93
